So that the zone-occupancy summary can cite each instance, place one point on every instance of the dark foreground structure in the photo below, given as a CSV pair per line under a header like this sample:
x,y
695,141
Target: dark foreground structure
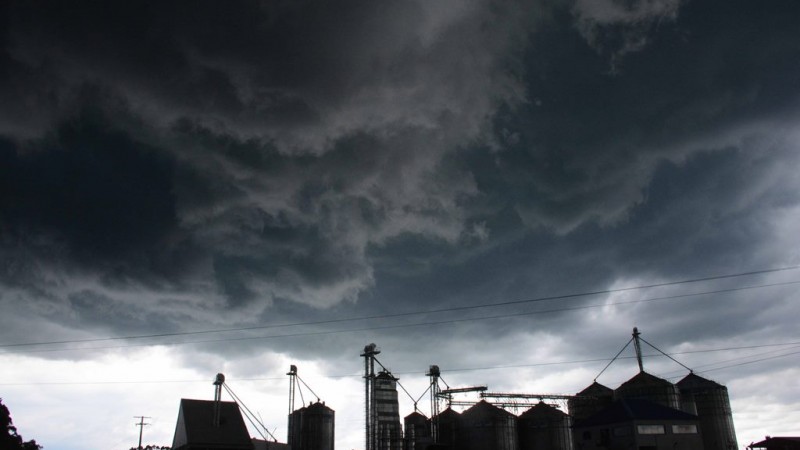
x,y
777,443
638,424
312,428
644,413
207,424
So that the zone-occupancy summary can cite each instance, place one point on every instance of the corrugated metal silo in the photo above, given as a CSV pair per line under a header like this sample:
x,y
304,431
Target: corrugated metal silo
x,y
713,409
649,387
487,427
312,428
594,398
544,427
449,426
417,431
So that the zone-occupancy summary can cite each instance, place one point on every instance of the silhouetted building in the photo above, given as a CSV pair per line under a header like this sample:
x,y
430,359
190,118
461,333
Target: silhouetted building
x,y
777,443
594,398
312,428
417,432
649,387
709,400
388,433
544,427
486,427
196,428
638,424
449,427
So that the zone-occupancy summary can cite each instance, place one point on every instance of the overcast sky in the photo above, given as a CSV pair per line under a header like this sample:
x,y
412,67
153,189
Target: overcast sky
x,y
459,172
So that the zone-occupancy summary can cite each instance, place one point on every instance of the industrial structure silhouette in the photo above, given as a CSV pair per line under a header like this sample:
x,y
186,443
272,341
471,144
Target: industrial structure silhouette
x,y
644,413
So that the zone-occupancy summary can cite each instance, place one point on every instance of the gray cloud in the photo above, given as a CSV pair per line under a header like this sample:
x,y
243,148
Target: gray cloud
x,y
290,141
616,28
173,167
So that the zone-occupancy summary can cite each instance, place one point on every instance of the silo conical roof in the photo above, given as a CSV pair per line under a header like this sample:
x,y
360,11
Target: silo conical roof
x,y
694,381
597,390
484,409
644,379
415,417
318,407
449,413
650,387
542,410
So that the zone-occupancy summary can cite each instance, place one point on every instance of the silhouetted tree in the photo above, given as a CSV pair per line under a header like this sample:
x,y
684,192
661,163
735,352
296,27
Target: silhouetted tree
x,y
9,439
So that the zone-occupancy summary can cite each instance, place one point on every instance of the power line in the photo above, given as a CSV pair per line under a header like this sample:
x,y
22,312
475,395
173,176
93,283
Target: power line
x,y
429,323
462,369
708,367
412,313
752,362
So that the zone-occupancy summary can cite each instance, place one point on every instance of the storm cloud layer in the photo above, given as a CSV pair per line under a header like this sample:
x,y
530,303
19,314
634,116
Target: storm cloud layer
x,y
185,166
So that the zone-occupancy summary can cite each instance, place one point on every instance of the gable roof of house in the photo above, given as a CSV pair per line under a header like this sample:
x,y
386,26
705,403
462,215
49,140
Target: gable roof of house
x,y
195,427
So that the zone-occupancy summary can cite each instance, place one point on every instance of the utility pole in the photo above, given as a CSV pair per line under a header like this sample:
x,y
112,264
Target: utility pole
x,y
141,426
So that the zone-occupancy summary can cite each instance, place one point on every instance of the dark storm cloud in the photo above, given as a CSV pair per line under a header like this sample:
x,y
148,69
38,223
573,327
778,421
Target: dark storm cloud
x,y
586,144
179,159
97,189
264,160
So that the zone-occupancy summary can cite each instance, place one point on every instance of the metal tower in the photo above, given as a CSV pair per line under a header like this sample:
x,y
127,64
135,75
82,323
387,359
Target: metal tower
x,y
292,385
434,373
370,413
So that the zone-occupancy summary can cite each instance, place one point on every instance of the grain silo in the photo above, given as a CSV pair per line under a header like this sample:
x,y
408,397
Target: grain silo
x,y
487,427
594,398
649,387
312,428
417,431
544,427
713,409
449,426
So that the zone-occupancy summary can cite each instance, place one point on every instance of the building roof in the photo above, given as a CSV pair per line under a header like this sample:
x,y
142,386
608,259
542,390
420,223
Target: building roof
x,y
542,410
778,443
384,375
644,379
318,408
449,413
195,427
597,389
694,381
415,416
484,409
627,410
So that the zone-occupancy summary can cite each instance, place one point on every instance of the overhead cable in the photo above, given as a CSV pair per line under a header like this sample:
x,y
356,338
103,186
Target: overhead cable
x,y
411,313
399,326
